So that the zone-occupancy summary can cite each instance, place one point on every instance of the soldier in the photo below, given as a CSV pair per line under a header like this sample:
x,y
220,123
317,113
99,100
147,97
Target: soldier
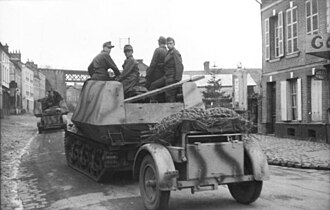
x,y
98,69
130,74
155,70
173,68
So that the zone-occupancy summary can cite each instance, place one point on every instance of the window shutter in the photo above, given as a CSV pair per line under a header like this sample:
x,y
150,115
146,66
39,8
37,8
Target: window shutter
x,y
280,33
316,98
284,102
267,41
299,104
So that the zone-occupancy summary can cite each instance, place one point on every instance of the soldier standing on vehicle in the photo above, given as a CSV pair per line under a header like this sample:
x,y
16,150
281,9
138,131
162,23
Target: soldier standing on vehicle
x,y
173,68
155,70
98,69
130,74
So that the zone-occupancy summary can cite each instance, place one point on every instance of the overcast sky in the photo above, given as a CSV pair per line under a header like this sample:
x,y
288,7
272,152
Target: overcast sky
x,y
67,34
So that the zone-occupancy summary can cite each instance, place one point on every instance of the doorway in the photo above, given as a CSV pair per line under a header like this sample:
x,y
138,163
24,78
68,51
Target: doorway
x,y
271,107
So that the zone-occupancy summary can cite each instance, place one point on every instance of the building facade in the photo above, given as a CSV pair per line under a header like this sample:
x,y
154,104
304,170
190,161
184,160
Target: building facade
x,y
39,81
27,89
296,68
72,96
5,80
15,86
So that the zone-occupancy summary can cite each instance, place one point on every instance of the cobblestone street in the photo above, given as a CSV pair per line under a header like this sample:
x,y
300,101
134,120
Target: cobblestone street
x,y
17,132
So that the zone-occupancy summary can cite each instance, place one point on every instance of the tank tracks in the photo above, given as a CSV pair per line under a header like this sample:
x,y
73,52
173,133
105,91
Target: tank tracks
x,y
90,158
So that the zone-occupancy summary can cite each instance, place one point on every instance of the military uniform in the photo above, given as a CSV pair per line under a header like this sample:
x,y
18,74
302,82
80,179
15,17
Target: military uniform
x,y
173,68
130,74
98,69
155,70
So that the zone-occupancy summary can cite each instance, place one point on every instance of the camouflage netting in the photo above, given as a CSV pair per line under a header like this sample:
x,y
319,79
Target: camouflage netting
x,y
214,120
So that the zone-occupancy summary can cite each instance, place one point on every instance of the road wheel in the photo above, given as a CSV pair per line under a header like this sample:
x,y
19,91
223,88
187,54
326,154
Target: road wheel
x,y
246,192
153,198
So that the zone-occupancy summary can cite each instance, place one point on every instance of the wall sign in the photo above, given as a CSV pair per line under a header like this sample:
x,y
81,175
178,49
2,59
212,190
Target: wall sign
x,y
321,74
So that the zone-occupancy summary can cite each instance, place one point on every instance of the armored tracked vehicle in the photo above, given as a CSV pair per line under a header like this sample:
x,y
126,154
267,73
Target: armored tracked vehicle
x,y
165,150
50,118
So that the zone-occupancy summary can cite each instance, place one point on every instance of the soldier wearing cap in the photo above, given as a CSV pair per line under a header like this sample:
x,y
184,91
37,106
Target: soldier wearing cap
x,y
155,70
98,69
130,74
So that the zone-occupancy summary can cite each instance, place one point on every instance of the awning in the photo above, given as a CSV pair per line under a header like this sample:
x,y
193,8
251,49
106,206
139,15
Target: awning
x,y
318,45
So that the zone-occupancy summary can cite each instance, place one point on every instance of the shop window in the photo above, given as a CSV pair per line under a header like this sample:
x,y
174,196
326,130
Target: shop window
x,y
291,30
312,22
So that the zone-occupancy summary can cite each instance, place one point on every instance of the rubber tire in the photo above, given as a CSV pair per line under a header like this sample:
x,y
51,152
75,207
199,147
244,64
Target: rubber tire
x,y
246,192
159,199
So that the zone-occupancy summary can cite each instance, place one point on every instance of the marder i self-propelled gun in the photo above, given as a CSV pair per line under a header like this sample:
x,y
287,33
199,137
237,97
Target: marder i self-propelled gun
x,y
168,146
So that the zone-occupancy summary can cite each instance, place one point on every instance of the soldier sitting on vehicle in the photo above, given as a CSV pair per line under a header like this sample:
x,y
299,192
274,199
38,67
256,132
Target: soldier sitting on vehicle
x,y
52,99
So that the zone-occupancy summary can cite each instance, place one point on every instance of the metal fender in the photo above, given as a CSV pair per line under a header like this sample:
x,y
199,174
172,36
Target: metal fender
x,y
167,175
258,159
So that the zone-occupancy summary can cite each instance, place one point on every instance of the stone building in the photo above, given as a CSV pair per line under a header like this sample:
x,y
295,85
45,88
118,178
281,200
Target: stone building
x,y
296,68
15,86
55,79
39,79
72,96
4,80
27,89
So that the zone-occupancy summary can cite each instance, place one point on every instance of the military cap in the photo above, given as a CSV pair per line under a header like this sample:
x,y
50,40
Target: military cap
x,y
128,47
170,39
162,40
108,44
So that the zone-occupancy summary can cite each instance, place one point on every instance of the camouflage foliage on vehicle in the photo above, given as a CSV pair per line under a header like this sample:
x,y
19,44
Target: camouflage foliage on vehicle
x,y
214,120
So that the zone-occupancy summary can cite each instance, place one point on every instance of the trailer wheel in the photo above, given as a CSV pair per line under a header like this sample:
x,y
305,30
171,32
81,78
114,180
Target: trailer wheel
x,y
153,198
246,192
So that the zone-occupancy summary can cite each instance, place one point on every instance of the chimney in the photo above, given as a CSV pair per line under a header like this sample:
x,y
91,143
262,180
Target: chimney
x,y
6,48
15,56
207,66
31,65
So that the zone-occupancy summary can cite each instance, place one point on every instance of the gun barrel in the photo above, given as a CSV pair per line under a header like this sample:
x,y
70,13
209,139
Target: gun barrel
x,y
161,90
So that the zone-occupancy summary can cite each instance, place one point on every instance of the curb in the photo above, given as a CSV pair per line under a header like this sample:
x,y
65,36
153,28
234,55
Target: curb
x,y
291,164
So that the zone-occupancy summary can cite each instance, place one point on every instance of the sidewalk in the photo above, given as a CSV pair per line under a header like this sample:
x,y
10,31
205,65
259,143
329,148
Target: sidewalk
x,y
295,153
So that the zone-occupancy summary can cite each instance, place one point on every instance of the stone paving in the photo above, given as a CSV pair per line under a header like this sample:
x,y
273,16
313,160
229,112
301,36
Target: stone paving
x,y
20,190
295,153
30,195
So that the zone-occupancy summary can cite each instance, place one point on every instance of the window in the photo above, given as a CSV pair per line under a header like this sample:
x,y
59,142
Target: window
x,y
291,105
292,30
279,35
274,46
311,17
293,97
